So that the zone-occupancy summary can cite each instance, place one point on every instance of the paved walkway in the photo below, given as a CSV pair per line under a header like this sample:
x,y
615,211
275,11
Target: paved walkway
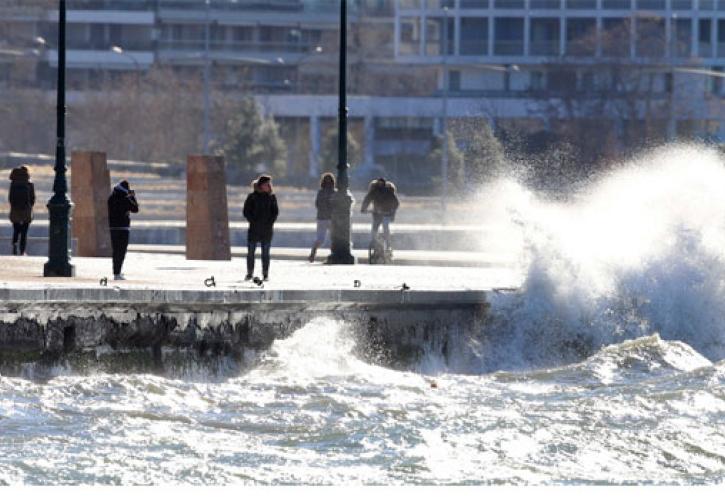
x,y
173,272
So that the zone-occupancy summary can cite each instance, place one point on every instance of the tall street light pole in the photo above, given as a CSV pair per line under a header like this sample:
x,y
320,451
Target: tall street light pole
x,y
207,79
444,124
341,216
59,206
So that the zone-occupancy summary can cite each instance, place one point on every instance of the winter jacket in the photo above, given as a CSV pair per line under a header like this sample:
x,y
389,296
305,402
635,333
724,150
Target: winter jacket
x,y
22,199
261,210
120,206
384,200
324,203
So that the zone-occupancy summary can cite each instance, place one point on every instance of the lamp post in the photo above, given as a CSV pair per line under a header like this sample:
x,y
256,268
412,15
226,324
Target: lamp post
x,y
119,50
444,122
60,206
207,79
341,217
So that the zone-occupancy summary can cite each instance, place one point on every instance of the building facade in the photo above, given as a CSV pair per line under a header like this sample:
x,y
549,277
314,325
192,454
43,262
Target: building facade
x,y
415,64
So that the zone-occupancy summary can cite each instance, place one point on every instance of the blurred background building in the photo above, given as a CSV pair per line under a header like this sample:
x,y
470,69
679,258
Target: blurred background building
x,y
602,75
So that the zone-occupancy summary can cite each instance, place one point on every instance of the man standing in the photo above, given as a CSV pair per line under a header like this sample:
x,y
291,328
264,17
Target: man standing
x,y
261,211
121,204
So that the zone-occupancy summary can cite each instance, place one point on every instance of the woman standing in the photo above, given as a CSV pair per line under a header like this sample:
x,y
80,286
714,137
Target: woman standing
x,y
324,204
22,199
261,210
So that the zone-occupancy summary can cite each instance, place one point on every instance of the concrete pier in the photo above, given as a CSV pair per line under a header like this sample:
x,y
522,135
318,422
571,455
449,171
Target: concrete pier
x,y
209,318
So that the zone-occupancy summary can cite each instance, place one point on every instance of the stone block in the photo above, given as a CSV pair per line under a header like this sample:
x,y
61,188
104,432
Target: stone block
x,y
90,189
207,215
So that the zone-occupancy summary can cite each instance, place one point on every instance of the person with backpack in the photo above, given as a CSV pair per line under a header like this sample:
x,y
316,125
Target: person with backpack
x,y
22,200
381,194
121,204
324,205
261,211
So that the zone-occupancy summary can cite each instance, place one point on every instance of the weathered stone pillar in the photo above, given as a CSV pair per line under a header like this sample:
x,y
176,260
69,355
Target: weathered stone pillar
x,y
90,189
207,215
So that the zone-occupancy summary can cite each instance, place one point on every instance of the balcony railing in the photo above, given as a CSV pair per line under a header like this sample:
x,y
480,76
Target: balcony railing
x,y
249,46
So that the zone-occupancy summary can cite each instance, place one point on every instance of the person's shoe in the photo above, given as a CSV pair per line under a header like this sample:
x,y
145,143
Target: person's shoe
x,y
266,277
119,277
15,249
248,277
313,252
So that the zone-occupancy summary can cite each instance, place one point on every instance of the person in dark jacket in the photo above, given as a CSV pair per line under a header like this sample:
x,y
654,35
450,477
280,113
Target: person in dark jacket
x,y
324,203
22,200
261,211
382,196
121,204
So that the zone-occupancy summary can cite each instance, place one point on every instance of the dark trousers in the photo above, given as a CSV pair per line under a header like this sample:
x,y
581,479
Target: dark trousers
x,y
20,232
252,250
119,243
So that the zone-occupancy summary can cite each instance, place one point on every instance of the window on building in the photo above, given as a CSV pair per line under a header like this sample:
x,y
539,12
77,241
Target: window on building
x,y
98,37
509,36
77,35
651,39
544,36
721,38
617,4
681,4
651,4
682,37
509,4
537,80
410,4
410,36
242,34
545,4
616,37
474,36
439,39
704,37
581,4
454,81
707,4
441,4
474,4
581,36
562,81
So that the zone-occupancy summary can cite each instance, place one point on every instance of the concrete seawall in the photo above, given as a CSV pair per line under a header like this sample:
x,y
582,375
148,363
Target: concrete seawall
x,y
181,332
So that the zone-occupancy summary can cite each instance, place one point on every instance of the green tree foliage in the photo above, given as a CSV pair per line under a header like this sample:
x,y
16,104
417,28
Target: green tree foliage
x,y
484,155
329,156
455,161
252,144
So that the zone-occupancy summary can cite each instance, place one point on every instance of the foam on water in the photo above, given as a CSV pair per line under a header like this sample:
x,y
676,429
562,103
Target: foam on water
x,y
640,252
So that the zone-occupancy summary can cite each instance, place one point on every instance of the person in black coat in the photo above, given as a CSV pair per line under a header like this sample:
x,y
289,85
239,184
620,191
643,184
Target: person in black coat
x,y
121,204
324,204
261,211
22,200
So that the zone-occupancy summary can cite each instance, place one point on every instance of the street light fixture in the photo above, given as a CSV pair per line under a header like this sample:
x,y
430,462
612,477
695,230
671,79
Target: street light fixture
x,y
60,206
340,249
118,50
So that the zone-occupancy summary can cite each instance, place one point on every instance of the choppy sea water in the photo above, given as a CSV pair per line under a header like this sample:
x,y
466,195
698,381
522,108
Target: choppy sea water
x,y
645,411
608,367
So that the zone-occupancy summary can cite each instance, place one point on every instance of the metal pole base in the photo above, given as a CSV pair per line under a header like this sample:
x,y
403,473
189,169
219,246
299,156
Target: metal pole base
x,y
340,232
58,265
